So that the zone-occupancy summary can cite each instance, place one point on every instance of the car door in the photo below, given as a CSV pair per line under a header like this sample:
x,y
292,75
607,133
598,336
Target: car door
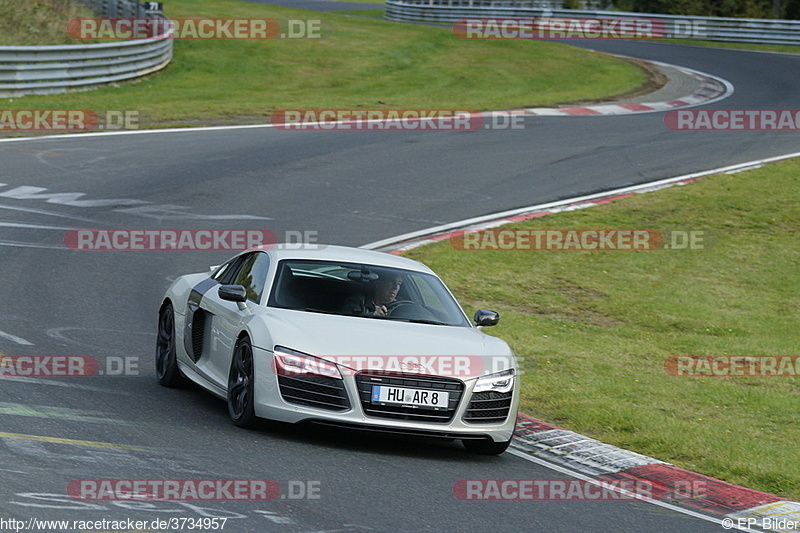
x,y
195,332
223,320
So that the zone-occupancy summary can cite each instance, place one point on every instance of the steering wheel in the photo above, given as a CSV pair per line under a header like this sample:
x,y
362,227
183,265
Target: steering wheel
x,y
399,303
410,309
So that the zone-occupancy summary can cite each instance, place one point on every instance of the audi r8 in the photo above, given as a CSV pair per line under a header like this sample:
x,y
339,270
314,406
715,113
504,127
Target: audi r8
x,y
342,336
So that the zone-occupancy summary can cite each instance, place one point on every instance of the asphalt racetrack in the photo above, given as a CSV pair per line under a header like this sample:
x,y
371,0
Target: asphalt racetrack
x,y
349,188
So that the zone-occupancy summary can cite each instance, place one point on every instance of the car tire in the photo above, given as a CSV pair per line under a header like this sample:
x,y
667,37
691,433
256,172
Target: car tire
x,y
167,371
486,446
241,387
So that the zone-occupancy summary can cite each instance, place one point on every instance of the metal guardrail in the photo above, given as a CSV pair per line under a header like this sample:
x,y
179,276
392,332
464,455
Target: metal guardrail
x,y
742,30
28,70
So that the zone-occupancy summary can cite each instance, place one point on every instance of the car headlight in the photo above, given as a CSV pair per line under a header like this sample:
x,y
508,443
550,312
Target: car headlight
x,y
497,382
292,363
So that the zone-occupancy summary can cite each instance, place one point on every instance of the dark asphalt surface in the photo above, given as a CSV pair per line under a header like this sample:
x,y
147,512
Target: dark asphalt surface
x,y
351,188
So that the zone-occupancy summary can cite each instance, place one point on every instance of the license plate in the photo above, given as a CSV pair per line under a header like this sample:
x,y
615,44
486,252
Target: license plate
x,y
426,399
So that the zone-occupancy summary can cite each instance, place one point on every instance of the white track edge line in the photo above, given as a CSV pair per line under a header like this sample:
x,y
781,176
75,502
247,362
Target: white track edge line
x,y
588,479
540,207
14,338
728,91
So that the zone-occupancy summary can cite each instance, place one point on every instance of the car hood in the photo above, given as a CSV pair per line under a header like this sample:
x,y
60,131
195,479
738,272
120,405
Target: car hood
x,y
362,343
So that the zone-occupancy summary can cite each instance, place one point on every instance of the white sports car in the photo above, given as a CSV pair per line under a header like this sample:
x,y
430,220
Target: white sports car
x,y
343,336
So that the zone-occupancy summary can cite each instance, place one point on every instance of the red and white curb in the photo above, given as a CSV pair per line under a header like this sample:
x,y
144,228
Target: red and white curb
x,y
711,90
590,459
667,484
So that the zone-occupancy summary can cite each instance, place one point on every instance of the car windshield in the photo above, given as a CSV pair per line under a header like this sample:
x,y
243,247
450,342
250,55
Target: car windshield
x,y
366,291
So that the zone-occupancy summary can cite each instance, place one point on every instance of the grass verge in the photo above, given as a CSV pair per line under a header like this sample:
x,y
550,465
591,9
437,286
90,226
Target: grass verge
x,y
362,63
593,329
40,22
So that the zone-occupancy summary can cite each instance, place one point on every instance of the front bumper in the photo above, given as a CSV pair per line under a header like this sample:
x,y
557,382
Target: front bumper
x,y
469,415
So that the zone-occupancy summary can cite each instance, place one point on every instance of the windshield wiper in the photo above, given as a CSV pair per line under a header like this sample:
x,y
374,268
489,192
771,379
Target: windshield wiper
x,y
323,311
424,321
412,320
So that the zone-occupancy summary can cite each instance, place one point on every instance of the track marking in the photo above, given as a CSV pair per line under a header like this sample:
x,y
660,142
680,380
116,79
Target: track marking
x,y
47,213
73,442
14,338
37,152
72,385
60,413
59,334
32,226
31,245
593,481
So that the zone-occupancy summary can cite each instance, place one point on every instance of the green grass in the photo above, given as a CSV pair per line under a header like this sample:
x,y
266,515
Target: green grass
x,y
592,329
363,63
38,22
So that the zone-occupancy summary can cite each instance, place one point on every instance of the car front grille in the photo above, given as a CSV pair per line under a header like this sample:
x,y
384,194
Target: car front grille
x,y
454,388
488,407
314,391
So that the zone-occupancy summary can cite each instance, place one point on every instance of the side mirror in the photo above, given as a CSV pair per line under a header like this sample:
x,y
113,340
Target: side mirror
x,y
232,293
484,317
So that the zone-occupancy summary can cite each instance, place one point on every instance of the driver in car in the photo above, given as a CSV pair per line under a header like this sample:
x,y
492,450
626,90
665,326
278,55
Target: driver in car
x,y
377,299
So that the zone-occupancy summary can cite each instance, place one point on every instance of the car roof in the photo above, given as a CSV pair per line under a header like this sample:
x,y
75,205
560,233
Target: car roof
x,y
345,254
